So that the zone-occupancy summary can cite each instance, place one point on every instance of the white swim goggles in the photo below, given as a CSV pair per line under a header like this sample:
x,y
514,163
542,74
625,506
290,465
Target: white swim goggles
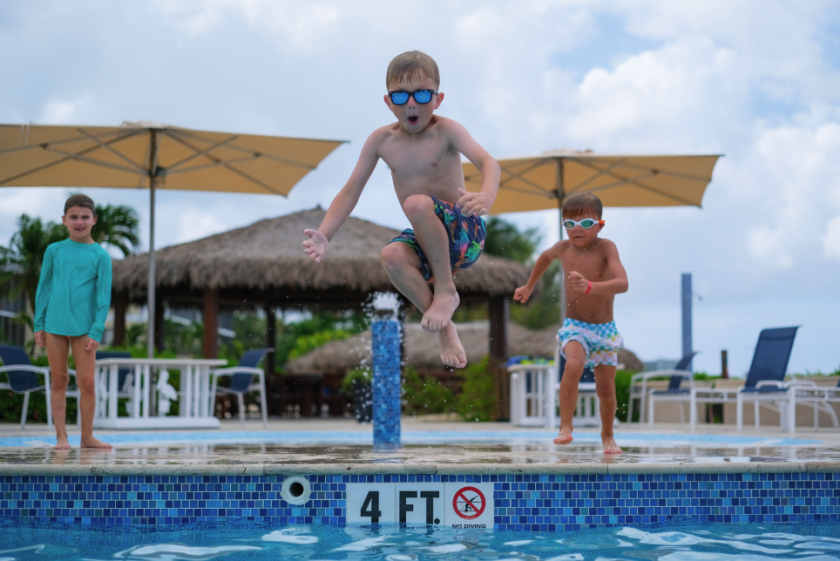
x,y
586,223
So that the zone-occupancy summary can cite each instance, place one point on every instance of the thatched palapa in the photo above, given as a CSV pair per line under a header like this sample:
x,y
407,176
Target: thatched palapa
x,y
422,349
268,256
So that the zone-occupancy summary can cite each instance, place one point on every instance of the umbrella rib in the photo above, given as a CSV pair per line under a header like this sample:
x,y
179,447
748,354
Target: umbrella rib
x,y
257,181
57,142
206,166
546,194
203,153
597,175
635,181
60,160
518,175
112,150
239,149
673,173
73,156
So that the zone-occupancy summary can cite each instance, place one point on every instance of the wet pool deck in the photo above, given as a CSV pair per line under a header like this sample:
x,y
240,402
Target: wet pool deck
x,y
316,446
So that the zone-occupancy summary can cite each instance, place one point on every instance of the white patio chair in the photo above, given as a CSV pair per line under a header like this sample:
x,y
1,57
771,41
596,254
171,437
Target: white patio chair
x,y
241,382
639,387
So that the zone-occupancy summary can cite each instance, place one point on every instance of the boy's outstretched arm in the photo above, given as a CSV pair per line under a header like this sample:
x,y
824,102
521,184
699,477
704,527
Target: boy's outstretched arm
x,y
616,285
479,203
546,257
343,203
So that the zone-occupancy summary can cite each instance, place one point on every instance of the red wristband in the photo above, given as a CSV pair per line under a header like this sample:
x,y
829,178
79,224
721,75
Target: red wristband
x,y
588,288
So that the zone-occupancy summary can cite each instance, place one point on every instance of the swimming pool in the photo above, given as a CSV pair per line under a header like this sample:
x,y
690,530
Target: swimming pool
x,y
232,541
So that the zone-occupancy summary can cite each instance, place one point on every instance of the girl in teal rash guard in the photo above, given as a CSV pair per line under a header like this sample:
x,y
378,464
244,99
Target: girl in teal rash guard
x,y
74,294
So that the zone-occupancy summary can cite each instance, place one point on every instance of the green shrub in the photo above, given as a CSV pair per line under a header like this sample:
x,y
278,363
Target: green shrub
x,y
364,375
477,401
425,395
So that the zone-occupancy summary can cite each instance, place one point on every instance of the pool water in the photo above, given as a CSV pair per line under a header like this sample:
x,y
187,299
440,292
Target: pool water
x,y
743,542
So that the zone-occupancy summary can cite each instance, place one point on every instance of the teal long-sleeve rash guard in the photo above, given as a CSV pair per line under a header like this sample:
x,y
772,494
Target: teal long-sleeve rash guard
x,y
74,291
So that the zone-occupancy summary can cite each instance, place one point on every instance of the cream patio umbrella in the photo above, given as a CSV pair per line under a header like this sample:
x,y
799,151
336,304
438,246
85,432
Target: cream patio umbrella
x,y
136,155
545,181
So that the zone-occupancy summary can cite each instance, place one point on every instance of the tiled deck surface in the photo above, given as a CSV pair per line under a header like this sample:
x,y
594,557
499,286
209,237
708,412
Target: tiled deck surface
x,y
333,447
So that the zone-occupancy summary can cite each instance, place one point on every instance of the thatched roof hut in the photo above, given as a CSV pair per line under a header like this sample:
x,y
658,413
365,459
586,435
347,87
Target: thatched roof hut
x,y
422,351
267,256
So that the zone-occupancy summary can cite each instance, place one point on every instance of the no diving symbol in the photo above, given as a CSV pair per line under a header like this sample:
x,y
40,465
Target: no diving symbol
x,y
468,503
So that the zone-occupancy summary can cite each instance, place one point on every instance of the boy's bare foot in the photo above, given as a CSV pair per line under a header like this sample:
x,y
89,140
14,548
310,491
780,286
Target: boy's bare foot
x,y
451,351
564,437
610,447
440,312
95,443
62,443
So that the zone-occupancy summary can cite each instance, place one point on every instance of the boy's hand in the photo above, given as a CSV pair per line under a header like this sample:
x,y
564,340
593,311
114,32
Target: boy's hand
x,y
316,245
41,339
523,293
91,345
474,204
579,283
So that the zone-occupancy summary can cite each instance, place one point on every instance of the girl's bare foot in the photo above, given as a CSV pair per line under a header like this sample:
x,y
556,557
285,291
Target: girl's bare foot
x,y
451,351
440,312
94,443
62,443
610,447
564,437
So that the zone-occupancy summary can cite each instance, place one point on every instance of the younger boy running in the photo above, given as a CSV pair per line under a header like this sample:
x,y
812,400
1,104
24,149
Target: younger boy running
x,y
594,275
423,152
71,305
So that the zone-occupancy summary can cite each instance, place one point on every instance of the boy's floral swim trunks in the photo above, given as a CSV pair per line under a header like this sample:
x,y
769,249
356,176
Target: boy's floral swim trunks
x,y
466,238
601,341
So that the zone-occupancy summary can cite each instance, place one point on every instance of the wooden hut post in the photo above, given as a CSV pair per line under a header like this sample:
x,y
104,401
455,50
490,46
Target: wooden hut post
x,y
211,323
270,338
120,310
159,309
499,312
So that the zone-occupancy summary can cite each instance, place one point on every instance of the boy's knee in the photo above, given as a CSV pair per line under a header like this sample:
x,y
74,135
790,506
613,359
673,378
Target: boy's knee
x,y
574,366
393,257
417,205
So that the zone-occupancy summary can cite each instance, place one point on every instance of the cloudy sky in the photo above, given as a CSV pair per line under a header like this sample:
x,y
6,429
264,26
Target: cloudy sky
x,y
758,81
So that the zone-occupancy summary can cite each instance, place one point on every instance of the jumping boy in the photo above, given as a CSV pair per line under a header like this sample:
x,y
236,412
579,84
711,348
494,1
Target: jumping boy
x,y
588,336
71,305
423,152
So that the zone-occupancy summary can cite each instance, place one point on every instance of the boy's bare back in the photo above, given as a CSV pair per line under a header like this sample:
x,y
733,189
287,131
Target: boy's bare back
x,y
596,263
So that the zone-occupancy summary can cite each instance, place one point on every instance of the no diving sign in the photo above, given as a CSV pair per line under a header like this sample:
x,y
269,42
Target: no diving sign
x,y
452,504
469,503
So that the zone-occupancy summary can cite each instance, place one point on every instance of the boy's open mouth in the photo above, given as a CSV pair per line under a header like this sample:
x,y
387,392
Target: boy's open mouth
x,y
413,119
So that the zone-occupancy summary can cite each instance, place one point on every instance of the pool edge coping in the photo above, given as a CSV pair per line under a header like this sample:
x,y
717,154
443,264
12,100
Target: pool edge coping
x,y
274,469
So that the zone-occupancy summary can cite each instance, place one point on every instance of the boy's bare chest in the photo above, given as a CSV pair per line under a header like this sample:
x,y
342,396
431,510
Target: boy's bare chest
x,y
426,156
591,263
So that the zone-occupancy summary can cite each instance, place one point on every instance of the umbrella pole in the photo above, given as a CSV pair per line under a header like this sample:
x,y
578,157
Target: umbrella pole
x,y
153,153
561,195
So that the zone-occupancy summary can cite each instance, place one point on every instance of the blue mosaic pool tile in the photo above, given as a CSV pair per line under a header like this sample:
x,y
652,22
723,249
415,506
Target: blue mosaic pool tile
x,y
522,502
387,408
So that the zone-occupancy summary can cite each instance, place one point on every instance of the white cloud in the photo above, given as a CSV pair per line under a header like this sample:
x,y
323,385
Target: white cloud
x,y
62,112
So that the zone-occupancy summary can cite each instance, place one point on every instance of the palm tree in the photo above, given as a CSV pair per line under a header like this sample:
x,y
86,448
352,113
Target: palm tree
x,y
118,226
20,263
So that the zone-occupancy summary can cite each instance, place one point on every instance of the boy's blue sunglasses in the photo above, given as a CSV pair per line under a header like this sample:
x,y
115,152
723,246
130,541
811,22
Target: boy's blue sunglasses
x,y
420,96
586,223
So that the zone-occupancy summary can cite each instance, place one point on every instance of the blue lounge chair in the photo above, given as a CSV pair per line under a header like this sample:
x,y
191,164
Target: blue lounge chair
x,y
23,379
675,392
242,381
765,384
